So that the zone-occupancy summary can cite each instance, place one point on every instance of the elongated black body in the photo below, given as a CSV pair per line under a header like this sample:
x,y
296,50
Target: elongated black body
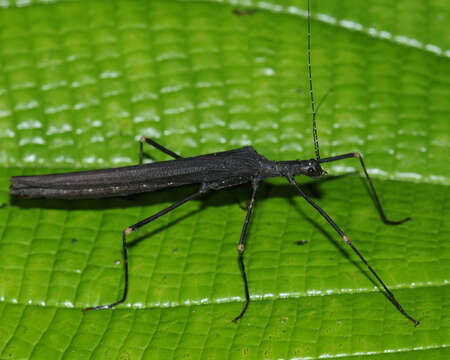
x,y
223,168
217,170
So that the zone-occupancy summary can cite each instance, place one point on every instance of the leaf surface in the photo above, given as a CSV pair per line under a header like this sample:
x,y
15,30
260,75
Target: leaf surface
x,y
82,81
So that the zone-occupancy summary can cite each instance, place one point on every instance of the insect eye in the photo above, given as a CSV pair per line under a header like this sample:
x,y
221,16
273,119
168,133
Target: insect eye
x,y
310,171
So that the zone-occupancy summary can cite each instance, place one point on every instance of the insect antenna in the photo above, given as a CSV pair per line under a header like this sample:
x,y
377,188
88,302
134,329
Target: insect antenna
x,y
316,140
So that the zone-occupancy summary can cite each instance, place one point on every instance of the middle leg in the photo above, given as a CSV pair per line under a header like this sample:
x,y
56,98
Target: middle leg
x,y
241,248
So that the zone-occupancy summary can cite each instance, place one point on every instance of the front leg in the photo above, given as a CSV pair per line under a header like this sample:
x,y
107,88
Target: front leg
x,y
374,193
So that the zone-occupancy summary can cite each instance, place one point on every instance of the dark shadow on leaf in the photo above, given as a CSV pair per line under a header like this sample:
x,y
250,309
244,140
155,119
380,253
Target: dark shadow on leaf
x,y
244,11
144,236
311,188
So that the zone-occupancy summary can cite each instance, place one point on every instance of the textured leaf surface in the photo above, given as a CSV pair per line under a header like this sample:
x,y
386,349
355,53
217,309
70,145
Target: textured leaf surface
x,y
81,81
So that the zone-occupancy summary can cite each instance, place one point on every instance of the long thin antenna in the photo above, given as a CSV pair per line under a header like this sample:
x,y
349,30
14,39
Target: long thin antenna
x,y
316,140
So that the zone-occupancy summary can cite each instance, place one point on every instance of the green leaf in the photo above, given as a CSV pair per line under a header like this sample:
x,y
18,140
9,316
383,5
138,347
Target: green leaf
x,y
81,81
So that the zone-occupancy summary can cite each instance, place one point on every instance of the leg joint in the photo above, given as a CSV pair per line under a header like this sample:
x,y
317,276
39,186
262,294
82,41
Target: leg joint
x,y
241,248
255,182
128,230
205,187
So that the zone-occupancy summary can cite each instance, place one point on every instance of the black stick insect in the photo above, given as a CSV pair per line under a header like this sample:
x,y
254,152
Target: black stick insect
x,y
212,172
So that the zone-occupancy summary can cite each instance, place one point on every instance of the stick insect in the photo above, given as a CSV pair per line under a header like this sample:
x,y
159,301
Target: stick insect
x,y
211,172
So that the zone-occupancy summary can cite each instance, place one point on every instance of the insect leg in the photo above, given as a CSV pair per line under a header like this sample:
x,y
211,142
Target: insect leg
x,y
348,242
241,248
155,145
374,193
135,227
